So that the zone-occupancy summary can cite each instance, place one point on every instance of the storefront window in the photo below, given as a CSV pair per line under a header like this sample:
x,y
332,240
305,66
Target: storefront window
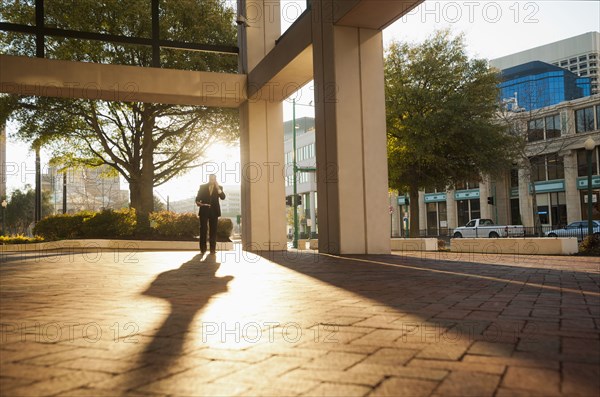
x,y
515,212
558,212
595,204
582,167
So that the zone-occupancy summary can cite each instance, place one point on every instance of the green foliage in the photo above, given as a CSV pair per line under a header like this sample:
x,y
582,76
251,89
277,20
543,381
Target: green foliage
x,y
590,245
62,226
20,211
20,239
110,224
105,224
441,115
224,229
441,112
147,143
166,224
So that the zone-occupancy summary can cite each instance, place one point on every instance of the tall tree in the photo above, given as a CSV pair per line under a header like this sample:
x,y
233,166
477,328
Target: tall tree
x,y
441,109
147,143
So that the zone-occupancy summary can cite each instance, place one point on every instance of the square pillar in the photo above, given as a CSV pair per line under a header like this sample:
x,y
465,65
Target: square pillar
x,y
261,139
350,136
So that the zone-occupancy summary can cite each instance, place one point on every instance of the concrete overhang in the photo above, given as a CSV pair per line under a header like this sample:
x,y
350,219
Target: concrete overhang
x,y
69,79
371,14
289,65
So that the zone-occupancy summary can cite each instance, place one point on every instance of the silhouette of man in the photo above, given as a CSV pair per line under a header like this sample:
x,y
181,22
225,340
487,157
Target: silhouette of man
x,y
207,199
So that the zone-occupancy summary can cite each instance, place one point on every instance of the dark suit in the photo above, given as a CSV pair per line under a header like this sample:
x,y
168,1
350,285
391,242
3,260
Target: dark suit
x,y
209,216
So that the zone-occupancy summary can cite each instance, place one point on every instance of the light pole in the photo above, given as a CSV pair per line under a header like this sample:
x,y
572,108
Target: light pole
x,y
589,145
4,204
294,170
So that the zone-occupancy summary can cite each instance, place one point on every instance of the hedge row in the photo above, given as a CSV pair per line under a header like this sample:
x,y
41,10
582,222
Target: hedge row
x,y
20,239
122,224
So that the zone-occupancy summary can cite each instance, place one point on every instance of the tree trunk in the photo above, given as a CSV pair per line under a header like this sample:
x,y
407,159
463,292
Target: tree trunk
x,y
414,211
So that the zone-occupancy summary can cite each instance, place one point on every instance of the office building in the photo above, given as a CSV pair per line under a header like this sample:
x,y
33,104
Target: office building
x,y
579,54
91,189
306,181
537,84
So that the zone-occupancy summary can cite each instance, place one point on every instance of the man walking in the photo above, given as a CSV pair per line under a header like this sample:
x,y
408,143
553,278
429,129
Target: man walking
x,y
210,210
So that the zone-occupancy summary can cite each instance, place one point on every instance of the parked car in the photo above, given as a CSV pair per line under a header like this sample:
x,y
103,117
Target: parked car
x,y
486,228
577,229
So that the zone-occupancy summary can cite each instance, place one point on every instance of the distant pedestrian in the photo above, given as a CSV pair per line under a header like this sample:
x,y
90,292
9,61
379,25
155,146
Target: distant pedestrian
x,y
207,199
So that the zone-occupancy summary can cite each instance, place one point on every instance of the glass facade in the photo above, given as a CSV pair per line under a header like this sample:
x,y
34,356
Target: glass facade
x,y
538,84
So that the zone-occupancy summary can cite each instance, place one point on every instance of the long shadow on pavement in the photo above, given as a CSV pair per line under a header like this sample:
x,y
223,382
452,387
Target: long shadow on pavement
x,y
543,315
187,289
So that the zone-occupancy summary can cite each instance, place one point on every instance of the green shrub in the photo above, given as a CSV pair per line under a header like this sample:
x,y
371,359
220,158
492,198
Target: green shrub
x,y
122,224
20,239
224,229
167,224
590,245
110,224
62,226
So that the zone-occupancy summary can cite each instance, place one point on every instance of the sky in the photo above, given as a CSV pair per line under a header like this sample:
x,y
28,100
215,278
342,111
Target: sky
x,y
492,29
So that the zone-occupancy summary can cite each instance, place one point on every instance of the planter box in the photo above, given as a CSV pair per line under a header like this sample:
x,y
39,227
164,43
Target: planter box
x,y
523,246
414,244
121,245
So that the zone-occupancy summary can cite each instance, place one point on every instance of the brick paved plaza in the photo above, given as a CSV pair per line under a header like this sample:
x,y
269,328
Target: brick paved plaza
x,y
174,323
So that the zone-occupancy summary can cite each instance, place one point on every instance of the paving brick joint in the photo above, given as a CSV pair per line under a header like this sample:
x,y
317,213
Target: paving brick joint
x,y
298,324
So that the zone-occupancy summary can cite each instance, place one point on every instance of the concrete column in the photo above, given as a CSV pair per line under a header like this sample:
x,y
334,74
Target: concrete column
x,y
313,202
350,136
261,142
485,191
422,211
502,184
451,209
525,202
2,161
571,192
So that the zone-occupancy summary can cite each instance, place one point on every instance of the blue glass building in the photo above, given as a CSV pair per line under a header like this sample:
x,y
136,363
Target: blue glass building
x,y
538,84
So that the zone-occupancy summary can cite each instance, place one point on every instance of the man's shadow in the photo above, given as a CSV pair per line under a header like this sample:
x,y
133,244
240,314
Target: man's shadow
x,y
187,289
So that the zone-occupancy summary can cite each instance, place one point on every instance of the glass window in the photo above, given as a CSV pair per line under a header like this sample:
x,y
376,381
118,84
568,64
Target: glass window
x,y
535,130
582,166
556,167
582,65
564,63
514,177
593,64
573,60
582,58
475,209
558,212
584,120
552,126
432,219
592,56
542,208
538,168
515,212
598,117
462,207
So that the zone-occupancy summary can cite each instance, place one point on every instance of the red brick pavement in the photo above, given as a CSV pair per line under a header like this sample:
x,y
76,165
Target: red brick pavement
x,y
298,324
